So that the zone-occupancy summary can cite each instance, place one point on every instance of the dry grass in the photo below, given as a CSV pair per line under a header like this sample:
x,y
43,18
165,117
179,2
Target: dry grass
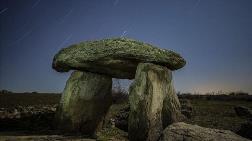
x,y
207,112
28,99
217,113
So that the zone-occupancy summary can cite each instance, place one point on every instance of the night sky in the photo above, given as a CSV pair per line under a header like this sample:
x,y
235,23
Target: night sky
x,y
214,36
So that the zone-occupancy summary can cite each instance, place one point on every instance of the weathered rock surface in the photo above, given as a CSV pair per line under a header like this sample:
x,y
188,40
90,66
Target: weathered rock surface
x,y
153,102
115,57
186,108
121,119
246,129
84,103
29,118
185,132
22,111
43,138
243,111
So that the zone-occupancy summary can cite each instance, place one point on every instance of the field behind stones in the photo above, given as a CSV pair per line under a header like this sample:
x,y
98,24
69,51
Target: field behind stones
x,y
218,113
27,116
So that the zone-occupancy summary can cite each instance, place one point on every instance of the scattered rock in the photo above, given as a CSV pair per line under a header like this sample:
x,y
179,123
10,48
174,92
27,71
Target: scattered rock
x,y
153,102
25,111
185,132
246,130
28,118
186,113
115,57
112,134
186,108
84,103
43,138
243,111
121,119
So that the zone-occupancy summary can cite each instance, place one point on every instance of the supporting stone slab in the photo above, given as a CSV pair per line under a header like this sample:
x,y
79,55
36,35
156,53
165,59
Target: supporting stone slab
x,y
84,102
153,103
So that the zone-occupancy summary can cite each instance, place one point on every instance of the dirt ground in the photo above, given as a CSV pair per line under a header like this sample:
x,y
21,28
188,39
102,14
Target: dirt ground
x,y
30,117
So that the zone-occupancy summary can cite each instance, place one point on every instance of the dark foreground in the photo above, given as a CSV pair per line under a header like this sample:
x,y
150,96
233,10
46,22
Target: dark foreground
x,y
31,116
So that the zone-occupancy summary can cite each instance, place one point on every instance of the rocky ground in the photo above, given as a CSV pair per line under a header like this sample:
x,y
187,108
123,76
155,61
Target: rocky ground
x,y
32,117
37,123
25,118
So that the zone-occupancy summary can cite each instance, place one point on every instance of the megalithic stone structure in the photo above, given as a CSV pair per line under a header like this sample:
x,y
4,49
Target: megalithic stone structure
x,y
153,103
117,58
84,103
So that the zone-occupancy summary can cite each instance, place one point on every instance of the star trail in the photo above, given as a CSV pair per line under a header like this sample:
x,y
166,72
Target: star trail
x,y
215,37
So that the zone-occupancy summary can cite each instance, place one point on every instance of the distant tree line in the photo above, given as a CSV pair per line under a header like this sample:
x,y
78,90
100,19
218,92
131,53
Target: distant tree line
x,y
224,97
5,92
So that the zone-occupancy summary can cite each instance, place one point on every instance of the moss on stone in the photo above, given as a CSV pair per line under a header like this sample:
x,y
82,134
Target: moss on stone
x,y
84,103
117,57
153,102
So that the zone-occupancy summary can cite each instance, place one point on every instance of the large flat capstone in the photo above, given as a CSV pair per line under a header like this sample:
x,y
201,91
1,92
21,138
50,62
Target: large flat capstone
x,y
114,57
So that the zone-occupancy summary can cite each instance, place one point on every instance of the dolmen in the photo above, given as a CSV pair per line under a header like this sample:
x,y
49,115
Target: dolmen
x,y
87,94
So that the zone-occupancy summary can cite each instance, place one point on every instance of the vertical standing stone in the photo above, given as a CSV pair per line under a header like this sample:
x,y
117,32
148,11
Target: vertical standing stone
x,y
84,103
153,102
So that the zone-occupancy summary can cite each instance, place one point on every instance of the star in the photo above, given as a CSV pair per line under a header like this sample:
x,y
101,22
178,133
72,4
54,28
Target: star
x,y
3,10
123,34
116,2
35,4
66,15
66,40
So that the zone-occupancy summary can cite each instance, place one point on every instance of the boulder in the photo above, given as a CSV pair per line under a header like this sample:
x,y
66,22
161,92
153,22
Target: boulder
x,y
115,57
186,108
243,111
246,129
153,102
121,119
186,132
84,102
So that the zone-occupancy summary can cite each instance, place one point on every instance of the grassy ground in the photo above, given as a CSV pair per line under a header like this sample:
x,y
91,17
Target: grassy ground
x,y
217,114
28,99
211,113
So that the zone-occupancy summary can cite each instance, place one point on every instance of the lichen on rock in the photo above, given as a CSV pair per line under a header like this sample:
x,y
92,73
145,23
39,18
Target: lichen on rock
x,y
84,102
186,132
153,103
117,57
